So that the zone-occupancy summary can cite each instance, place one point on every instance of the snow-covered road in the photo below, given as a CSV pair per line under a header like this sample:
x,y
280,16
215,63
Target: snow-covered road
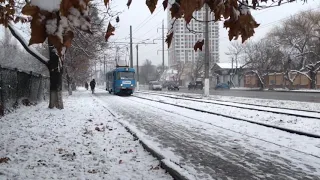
x,y
308,125
306,106
214,147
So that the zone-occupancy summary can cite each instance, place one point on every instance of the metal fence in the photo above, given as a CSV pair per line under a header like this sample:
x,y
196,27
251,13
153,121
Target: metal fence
x,y
16,85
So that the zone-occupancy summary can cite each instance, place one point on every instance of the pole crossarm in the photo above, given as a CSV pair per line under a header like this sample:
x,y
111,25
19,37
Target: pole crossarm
x,y
156,40
133,43
160,50
160,28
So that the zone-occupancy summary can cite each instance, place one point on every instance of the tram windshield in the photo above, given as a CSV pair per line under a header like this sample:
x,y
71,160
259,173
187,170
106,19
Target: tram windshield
x,y
126,75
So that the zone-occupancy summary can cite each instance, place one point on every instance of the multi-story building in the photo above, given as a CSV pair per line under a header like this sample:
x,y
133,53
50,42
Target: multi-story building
x,y
181,49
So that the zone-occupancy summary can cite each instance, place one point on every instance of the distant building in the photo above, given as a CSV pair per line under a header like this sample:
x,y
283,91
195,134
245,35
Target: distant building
x,y
181,49
228,72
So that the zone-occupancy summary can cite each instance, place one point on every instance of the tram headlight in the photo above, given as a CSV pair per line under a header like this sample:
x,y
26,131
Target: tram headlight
x,y
131,84
121,84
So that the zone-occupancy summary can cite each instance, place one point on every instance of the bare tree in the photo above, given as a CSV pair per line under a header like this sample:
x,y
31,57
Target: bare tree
x,y
197,67
13,56
298,37
147,72
160,71
236,52
262,58
180,67
84,50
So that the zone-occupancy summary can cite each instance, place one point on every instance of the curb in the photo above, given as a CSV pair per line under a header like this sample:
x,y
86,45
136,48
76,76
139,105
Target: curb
x,y
174,173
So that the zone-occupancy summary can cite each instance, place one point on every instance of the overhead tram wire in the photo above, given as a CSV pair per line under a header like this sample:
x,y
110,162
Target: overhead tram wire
x,y
144,23
150,31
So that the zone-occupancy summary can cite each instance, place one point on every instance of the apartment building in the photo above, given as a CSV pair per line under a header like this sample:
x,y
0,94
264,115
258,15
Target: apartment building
x,y
181,49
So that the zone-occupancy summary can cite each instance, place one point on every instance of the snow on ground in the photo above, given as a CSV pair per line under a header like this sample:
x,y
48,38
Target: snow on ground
x,y
278,89
298,142
83,141
221,147
291,122
309,106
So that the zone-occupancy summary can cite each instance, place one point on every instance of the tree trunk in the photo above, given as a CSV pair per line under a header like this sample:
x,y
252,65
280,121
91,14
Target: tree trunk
x,y
55,80
69,84
313,76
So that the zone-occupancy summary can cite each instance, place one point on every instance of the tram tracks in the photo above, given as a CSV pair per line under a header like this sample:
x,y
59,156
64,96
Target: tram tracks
x,y
276,110
293,131
221,127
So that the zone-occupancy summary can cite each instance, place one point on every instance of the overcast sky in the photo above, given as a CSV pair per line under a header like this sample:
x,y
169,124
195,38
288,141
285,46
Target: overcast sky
x,y
145,26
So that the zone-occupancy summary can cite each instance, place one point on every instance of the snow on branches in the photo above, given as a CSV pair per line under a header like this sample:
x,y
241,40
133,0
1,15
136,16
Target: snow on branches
x,y
56,20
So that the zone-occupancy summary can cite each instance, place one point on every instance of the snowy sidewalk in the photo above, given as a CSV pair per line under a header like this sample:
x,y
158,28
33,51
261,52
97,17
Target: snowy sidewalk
x,y
83,141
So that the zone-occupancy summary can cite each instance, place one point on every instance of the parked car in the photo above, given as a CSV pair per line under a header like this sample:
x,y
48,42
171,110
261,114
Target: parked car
x,y
155,85
222,86
173,87
165,84
195,85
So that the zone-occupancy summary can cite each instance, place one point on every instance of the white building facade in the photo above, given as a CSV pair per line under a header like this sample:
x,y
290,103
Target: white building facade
x,y
183,41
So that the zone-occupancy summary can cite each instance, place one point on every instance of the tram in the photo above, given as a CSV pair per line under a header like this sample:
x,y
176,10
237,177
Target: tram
x,y
121,81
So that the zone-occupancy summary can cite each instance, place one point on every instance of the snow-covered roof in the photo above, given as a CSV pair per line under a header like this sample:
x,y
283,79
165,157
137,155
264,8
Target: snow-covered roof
x,y
228,65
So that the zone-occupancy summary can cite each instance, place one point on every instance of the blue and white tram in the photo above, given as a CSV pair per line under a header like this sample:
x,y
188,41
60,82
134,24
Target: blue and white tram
x,y
121,81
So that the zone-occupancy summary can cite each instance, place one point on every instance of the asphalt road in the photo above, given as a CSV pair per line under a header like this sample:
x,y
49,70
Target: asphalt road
x,y
211,152
292,96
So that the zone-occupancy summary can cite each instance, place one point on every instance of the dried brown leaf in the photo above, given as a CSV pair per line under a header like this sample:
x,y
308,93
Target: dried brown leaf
x,y
109,32
176,11
169,39
244,26
65,5
30,10
67,39
165,4
38,30
188,7
106,2
56,41
151,5
4,160
198,45
129,3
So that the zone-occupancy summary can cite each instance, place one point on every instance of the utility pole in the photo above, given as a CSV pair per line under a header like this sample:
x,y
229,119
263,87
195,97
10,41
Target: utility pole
x,y
163,46
232,72
104,70
104,64
207,57
131,54
137,68
95,69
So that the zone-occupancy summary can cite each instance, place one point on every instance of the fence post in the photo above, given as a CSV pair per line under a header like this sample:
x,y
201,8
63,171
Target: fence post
x,y
1,94
17,83
39,89
30,86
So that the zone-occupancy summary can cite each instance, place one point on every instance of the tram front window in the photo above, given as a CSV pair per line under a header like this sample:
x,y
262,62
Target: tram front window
x,y
125,75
